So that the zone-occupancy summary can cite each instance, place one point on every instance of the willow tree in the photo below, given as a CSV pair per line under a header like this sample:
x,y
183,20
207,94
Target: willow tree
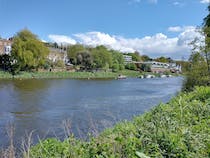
x,y
28,52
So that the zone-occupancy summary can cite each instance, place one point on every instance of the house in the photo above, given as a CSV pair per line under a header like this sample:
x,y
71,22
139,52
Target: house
x,y
159,67
5,46
127,58
57,55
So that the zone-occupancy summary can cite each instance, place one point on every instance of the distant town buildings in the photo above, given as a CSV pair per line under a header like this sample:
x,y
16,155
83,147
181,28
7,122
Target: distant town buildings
x,y
127,58
57,54
5,46
159,67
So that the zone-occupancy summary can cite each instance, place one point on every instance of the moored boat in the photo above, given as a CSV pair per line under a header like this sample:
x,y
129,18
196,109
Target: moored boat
x,y
121,77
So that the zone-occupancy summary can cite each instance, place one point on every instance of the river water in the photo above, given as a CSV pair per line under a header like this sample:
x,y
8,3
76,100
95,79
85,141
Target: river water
x,y
90,105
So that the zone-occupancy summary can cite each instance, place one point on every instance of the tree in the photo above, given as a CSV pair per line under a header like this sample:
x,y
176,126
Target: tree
x,y
72,52
5,62
131,66
84,58
135,56
102,58
199,70
206,30
117,61
145,58
162,59
28,52
145,67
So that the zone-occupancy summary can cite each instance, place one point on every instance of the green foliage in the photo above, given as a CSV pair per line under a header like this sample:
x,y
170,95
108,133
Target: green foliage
x,y
179,128
101,57
59,63
28,52
135,56
131,66
197,74
84,59
185,65
164,59
5,62
72,52
145,58
145,67
117,60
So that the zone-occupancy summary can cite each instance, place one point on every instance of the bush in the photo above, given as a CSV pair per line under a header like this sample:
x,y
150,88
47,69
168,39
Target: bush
x,y
131,66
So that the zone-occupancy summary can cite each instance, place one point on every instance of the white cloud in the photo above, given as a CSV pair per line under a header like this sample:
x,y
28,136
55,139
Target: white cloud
x,y
139,1
175,29
154,46
178,4
204,1
180,29
95,38
61,39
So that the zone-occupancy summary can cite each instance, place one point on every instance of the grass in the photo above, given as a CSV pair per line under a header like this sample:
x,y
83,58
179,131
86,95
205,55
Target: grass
x,y
73,75
66,74
178,129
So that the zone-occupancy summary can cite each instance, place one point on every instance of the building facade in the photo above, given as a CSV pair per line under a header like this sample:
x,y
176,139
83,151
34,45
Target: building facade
x,y
127,58
5,46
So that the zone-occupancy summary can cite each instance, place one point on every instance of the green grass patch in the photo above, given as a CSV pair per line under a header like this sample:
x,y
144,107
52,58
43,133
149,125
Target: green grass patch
x,y
66,74
178,129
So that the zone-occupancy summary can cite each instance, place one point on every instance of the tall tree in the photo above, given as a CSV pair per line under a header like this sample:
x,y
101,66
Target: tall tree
x,y
135,56
206,30
72,52
84,59
102,58
199,70
117,61
28,52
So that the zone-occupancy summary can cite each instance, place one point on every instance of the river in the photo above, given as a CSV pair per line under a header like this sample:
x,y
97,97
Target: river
x,y
90,105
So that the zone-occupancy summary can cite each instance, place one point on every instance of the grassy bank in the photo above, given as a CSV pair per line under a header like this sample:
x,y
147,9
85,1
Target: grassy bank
x,y
66,74
177,129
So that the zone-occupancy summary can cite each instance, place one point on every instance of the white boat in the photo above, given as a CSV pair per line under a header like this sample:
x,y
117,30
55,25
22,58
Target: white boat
x,y
163,76
121,77
141,76
150,76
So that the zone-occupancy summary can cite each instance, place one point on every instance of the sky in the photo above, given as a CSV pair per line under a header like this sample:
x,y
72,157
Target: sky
x,y
151,27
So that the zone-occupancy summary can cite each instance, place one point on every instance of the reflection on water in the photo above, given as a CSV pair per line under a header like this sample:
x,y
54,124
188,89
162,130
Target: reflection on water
x,y
41,105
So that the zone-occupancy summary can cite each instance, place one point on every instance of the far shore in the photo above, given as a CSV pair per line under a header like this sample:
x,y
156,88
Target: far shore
x,y
72,75
67,74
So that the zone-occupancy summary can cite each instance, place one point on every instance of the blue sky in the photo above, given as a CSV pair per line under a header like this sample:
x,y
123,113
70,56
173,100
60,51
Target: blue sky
x,y
119,24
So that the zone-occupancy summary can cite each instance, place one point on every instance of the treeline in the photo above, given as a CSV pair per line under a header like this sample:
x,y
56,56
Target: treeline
x,y
88,58
30,54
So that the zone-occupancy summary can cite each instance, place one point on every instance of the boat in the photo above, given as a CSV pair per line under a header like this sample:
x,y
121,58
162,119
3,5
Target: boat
x,y
149,76
163,76
141,76
121,77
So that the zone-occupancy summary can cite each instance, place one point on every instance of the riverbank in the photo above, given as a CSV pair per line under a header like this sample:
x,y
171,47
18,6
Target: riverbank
x,y
66,74
74,75
179,128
